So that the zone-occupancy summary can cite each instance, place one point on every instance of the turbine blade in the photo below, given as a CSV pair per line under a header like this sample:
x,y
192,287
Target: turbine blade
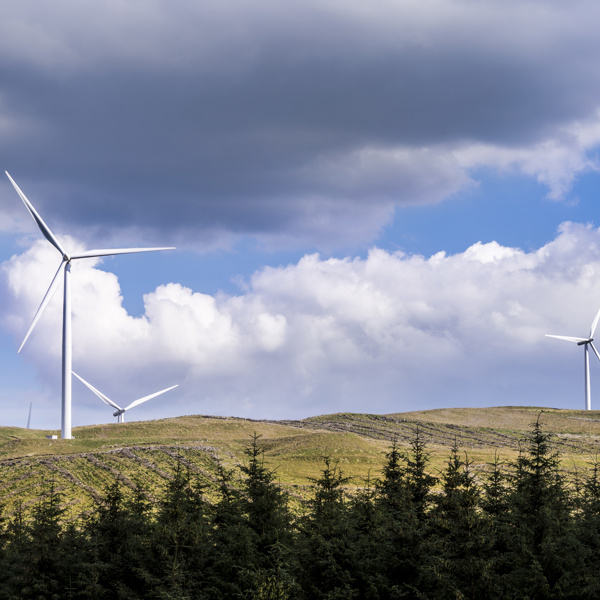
x,y
43,305
113,251
595,324
40,222
595,351
145,398
98,393
567,338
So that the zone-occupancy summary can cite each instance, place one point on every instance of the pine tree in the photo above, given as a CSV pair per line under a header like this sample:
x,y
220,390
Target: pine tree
x,y
588,532
457,544
232,543
419,481
365,540
545,555
121,533
36,560
265,502
393,489
400,501
181,535
265,505
325,554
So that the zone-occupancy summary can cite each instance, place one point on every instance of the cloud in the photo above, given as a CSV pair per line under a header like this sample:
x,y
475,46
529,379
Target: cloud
x,y
209,122
385,333
554,162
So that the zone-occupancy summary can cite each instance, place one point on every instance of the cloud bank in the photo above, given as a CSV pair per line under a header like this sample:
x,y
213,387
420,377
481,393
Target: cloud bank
x,y
211,122
387,333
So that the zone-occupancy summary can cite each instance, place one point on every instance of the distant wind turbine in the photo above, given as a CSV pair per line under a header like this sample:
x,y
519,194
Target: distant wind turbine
x,y
120,411
585,342
65,266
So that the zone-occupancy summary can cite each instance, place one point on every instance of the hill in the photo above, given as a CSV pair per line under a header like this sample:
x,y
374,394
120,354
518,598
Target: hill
x,y
147,452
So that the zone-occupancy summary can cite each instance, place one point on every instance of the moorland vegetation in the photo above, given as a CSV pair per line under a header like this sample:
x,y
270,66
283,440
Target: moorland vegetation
x,y
526,529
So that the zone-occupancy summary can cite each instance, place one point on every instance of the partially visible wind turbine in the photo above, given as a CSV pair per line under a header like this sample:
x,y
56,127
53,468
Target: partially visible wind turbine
x,y
65,266
120,411
29,417
585,342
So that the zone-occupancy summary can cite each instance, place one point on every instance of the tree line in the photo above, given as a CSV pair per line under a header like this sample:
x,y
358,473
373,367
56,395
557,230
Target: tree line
x,y
518,531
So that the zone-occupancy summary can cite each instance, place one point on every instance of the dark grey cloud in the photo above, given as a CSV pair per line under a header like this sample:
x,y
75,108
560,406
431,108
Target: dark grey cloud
x,y
276,121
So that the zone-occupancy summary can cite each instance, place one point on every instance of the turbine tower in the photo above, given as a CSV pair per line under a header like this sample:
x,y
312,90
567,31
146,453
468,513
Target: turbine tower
x,y
585,342
120,411
65,266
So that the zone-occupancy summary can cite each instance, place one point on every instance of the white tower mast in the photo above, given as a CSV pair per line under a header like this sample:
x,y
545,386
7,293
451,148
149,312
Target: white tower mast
x,y
65,266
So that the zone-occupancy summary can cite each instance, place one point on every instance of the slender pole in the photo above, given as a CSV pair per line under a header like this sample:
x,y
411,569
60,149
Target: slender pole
x,y
588,399
121,418
66,358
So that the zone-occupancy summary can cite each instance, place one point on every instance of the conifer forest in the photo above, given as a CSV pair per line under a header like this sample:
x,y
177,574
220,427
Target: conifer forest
x,y
521,530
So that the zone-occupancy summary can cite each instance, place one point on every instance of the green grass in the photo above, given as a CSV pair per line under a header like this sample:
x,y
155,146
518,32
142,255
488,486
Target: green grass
x,y
147,452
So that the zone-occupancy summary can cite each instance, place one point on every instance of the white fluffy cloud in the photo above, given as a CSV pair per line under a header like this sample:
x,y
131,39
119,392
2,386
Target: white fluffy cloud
x,y
386,333
555,161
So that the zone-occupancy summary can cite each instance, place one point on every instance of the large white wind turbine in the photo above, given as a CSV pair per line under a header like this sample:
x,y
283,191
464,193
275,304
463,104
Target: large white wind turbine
x,y
585,342
120,411
65,266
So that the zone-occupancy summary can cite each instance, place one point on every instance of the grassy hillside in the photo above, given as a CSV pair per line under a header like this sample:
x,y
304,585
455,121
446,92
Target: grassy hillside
x,y
147,452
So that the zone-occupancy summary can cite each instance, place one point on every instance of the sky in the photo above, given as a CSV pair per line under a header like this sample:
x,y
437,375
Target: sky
x,y
377,207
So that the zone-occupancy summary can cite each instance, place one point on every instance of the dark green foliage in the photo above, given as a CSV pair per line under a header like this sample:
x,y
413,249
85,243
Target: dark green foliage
x,y
495,491
120,536
588,525
181,536
37,561
458,539
398,537
420,483
326,566
546,554
517,532
265,505
231,542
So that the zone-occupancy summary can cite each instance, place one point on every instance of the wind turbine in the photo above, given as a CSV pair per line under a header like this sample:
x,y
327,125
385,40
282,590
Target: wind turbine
x,y
120,411
65,266
29,417
585,342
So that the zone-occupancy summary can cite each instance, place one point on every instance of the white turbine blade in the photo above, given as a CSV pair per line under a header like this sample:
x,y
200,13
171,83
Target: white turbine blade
x,y
145,398
594,324
113,251
567,338
98,393
42,308
43,227
595,351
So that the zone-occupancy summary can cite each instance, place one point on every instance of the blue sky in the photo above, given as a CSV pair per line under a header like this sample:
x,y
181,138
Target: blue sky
x,y
376,208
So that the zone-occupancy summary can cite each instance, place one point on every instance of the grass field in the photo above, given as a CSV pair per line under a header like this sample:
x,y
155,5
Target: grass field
x,y
147,452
